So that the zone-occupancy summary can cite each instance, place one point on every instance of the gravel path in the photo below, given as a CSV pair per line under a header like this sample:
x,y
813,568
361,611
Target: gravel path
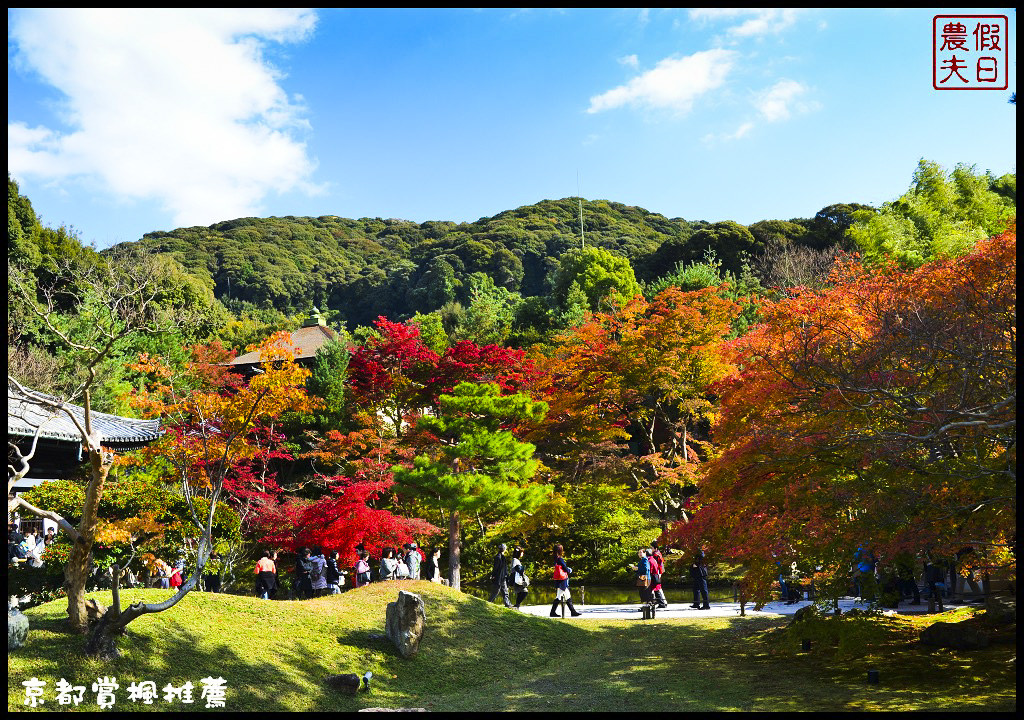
x,y
728,609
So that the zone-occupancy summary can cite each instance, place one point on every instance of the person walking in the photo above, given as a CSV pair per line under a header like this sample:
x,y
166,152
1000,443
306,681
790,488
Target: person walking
x,y
643,575
499,576
657,572
518,576
266,576
562,573
699,575
934,578
277,574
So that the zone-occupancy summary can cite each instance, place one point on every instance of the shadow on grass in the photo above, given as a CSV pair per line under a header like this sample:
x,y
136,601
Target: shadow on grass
x,y
172,658
477,656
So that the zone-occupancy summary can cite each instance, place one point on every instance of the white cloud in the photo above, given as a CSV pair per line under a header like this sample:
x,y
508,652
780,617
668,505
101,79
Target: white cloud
x,y
674,84
630,60
782,100
755,21
180,106
742,131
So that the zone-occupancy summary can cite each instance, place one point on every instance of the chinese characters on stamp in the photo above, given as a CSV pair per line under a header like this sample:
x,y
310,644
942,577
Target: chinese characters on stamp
x,y
970,52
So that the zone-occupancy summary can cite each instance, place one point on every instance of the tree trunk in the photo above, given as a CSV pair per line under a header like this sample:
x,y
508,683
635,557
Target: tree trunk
x,y
76,572
454,550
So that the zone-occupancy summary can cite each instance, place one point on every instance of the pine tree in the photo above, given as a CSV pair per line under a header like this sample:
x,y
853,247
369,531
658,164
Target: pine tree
x,y
476,466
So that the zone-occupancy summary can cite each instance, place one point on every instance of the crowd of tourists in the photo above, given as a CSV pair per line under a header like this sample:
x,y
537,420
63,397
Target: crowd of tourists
x,y
317,573
26,549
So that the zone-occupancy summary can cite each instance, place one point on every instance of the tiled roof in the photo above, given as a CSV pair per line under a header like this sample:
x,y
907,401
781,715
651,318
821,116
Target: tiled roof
x,y
25,414
307,339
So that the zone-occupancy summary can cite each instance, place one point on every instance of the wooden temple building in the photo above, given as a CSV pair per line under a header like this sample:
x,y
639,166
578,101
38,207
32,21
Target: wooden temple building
x,y
308,339
59,452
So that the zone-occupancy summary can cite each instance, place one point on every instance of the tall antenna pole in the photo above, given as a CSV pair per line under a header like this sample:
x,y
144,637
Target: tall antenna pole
x,y
583,240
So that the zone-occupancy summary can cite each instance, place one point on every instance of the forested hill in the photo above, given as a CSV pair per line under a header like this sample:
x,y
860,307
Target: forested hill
x,y
371,266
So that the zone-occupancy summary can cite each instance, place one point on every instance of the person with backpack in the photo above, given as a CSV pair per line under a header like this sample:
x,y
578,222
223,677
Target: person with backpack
x,y
317,579
332,574
499,576
303,575
175,579
657,571
561,574
699,576
518,576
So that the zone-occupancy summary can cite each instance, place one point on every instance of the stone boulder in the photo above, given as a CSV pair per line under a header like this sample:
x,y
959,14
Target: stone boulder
x,y
966,635
805,613
17,629
405,621
348,683
1000,611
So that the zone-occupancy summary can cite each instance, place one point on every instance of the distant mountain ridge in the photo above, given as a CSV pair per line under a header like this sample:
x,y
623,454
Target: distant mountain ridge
x,y
373,266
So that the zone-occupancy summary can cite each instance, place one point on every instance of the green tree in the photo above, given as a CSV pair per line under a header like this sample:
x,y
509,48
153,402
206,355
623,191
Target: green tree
x,y
476,467
939,216
731,242
327,382
432,331
598,273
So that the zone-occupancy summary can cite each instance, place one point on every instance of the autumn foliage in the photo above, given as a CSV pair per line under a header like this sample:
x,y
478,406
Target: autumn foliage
x,y
879,412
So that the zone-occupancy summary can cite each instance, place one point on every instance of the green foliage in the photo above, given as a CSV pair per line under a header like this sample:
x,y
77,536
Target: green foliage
x,y
370,267
129,496
327,382
939,216
744,289
432,331
600,275
478,467
731,242
489,316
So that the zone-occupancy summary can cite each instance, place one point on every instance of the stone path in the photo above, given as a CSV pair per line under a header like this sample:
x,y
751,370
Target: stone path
x,y
720,609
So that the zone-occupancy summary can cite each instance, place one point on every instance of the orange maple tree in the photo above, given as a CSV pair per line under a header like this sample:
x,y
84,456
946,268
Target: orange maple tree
x,y
627,389
879,413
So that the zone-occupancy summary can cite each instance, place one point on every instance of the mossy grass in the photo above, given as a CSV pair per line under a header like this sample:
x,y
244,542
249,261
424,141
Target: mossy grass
x,y
480,656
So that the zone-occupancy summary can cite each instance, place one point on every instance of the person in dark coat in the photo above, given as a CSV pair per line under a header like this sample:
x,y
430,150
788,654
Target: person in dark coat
x,y
303,570
499,576
699,576
432,567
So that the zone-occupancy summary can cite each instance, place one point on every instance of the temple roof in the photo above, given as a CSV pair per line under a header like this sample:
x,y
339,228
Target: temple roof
x,y
308,340
26,413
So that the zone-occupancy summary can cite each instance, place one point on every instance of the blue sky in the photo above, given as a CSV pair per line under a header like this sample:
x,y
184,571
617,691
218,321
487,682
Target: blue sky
x,y
122,122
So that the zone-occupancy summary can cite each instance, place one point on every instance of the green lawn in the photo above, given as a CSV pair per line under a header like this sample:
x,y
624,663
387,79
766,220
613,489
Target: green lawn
x,y
477,656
